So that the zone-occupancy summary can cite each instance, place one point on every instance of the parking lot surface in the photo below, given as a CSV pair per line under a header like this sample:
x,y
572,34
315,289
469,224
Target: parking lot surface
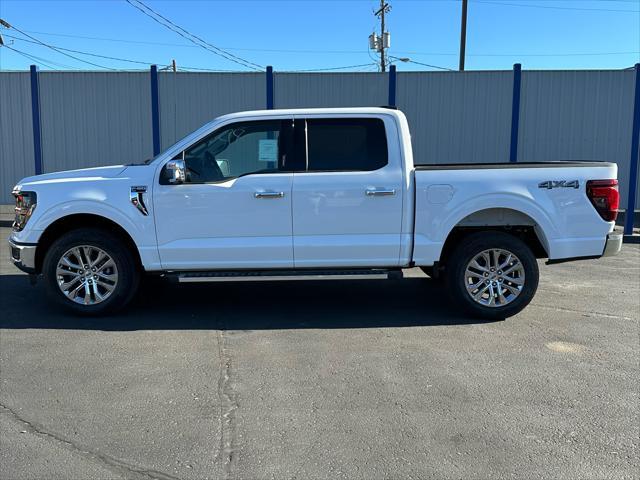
x,y
368,379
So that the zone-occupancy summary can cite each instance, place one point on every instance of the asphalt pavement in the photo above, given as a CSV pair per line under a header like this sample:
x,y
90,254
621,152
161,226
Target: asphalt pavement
x,y
342,379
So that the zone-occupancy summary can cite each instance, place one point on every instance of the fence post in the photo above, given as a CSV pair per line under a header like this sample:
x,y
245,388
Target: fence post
x,y
392,86
269,87
633,164
155,109
35,119
515,113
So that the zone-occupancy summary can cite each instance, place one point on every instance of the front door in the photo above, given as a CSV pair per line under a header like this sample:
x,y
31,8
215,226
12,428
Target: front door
x,y
234,209
347,205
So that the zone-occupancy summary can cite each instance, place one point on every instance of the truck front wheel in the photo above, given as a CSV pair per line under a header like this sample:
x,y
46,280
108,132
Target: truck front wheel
x,y
90,272
492,275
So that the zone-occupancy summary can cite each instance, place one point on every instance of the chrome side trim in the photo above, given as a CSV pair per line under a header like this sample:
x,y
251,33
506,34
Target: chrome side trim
x,y
274,278
137,199
379,192
613,244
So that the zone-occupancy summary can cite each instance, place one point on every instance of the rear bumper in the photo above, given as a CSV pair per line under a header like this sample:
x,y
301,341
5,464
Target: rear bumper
x,y
613,244
23,256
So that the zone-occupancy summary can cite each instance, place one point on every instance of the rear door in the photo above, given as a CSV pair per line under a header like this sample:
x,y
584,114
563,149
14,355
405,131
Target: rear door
x,y
347,204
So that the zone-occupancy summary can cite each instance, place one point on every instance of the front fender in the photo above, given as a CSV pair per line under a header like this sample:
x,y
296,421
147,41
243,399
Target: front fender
x,y
142,231
90,207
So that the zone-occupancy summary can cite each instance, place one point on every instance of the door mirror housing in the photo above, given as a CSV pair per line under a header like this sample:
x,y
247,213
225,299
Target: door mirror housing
x,y
174,172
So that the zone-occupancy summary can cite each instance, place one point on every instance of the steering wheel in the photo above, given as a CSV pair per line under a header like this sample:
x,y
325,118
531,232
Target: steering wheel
x,y
212,170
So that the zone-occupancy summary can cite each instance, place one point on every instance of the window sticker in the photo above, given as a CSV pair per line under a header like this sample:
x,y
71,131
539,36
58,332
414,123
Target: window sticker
x,y
268,150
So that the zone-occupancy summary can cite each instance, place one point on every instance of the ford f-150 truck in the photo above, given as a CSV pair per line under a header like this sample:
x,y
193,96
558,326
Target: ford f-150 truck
x,y
310,194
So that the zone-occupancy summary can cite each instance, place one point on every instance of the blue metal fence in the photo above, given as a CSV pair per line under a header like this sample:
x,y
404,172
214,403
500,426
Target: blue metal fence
x,y
517,113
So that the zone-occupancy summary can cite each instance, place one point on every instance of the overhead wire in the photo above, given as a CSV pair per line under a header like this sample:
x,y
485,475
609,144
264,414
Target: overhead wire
x,y
55,49
431,66
554,7
84,53
30,57
332,68
117,58
145,9
404,52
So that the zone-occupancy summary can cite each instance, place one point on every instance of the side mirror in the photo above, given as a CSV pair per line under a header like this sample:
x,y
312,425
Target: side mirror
x,y
174,172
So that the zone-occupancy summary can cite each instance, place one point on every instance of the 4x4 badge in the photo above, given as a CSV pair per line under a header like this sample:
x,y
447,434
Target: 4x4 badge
x,y
549,184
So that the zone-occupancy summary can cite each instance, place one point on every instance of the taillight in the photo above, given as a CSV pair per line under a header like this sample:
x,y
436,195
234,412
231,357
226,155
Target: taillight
x,y
605,198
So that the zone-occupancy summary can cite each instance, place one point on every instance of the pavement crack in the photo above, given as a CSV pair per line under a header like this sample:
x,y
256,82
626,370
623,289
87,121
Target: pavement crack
x,y
228,406
112,463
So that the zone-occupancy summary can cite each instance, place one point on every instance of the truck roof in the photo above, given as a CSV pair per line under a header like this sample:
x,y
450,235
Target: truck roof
x,y
315,111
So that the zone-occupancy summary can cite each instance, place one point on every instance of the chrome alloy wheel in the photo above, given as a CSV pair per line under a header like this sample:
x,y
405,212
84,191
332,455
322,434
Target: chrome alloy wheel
x,y
494,278
86,275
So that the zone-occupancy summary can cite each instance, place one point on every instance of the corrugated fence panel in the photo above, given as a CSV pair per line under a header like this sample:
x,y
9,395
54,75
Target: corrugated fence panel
x,y
94,118
16,132
101,118
578,115
457,117
309,90
189,100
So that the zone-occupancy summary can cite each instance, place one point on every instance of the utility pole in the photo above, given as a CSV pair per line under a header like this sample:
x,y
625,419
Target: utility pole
x,y
382,42
463,34
174,67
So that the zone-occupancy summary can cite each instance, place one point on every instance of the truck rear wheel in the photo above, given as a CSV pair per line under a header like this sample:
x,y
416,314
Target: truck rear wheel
x,y
90,272
492,275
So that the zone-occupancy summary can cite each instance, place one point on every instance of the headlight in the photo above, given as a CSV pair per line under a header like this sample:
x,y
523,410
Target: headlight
x,y
25,205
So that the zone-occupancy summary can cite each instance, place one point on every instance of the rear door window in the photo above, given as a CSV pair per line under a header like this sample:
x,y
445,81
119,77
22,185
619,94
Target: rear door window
x,y
349,144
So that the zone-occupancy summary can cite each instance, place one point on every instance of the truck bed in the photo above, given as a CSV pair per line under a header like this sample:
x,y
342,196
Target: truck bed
x,y
548,196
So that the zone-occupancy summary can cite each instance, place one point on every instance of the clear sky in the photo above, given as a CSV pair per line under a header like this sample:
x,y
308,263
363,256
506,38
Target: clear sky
x,y
313,34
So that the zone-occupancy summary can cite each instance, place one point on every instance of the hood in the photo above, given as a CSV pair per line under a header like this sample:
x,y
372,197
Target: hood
x,y
84,173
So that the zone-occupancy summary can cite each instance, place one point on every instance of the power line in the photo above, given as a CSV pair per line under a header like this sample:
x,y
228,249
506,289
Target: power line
x,y
85,53
112,39
117,58
30,57
333,68
577,54
431,66
139,5
183,67
406,52
555,7
55,49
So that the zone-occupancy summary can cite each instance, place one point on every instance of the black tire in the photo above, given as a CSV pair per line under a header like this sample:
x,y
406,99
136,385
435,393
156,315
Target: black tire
x,y
128,277
473,245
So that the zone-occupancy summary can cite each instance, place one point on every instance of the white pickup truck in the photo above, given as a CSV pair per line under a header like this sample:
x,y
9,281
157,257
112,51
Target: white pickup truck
x,y
310,194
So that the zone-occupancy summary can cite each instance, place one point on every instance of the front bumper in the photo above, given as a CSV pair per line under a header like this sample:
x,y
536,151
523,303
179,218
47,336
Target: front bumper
x,y
23,256
613,244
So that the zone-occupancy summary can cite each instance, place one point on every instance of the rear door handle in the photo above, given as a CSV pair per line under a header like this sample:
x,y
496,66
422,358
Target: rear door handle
x,y
269,194
379,192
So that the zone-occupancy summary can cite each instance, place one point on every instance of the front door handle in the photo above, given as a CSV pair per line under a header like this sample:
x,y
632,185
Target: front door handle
x,y
268,194
379,192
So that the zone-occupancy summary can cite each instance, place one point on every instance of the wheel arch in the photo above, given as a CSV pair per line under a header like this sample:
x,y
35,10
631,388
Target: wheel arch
x,y
505,219
82,220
